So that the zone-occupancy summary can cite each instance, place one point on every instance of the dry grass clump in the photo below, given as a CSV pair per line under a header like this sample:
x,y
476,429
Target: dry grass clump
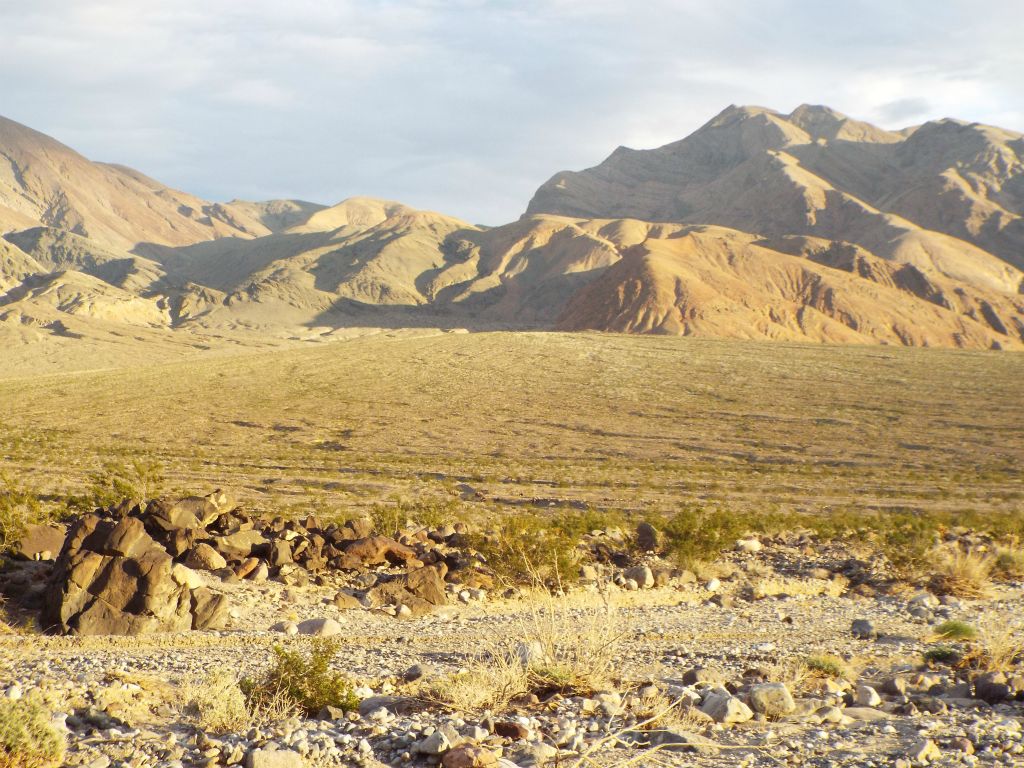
x,y
960,572
1000,646
552,649
217,703
1009,562
27,739
489,682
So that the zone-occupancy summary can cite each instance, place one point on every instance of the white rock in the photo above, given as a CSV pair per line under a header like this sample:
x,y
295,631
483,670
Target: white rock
x,y
288,627
749,546
866,696
320,627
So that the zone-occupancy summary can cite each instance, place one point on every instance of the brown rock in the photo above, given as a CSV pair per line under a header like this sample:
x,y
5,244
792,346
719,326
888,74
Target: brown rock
x,y
379,549
246,567
511,730
40,542
240,544
346,602
209,610
469,756
428,584
203,557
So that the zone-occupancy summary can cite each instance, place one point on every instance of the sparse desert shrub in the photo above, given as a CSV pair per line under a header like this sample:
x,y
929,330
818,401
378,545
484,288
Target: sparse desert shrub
x,y
579,648
960,572
218,704
694,534
489,682
955,630
27,739
19,508
391,518
136,480
942,654
1009,562
555,649
308,681
826,665
526,548
999,647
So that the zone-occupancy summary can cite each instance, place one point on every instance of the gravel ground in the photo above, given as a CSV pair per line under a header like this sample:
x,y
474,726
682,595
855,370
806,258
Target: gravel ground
x,y
124,697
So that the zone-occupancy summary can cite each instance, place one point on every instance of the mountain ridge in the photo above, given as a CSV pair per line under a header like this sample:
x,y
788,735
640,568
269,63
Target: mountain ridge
x,y
806,226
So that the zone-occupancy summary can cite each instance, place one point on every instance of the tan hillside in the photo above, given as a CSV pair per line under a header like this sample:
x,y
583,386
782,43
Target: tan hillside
x,y
44,182
714,282
55,250
948,195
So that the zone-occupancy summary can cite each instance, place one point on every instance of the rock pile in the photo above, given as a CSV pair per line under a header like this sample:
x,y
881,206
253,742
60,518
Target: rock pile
x,y
136,569
112,578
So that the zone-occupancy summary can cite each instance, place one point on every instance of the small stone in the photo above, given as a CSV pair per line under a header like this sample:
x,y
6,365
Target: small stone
x,y
273,758
866,696
320,627
203,557
723,707
749,546
924,752
13,692
771,699
863,629
469,756
641,574
435,744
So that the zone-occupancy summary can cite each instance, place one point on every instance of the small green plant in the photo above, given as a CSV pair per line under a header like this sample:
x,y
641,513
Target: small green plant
x,y
826,666
391,518
137,480
955,630
19,508
942,654
308,681
694,534
527,548
27,739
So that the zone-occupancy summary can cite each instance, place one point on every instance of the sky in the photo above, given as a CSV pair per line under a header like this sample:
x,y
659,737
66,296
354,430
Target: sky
x,y
467,106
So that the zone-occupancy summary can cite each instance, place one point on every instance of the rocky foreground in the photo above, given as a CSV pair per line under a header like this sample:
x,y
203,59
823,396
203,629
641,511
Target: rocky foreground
x,y
787,651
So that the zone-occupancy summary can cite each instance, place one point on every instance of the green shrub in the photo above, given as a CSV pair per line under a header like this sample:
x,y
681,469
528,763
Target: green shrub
x,y
527,548
826,666
391,518
309,682
19,508
956,630
137,480
694,534
942,654
27,739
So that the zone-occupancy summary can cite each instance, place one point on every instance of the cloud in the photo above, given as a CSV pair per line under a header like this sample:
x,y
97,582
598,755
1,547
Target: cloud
x,y
466,106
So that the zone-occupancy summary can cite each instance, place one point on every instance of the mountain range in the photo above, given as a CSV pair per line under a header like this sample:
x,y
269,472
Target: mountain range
x,y
808,226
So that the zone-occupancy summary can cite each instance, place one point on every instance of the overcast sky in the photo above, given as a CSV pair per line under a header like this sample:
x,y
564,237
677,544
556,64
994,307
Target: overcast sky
x,y
467,106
